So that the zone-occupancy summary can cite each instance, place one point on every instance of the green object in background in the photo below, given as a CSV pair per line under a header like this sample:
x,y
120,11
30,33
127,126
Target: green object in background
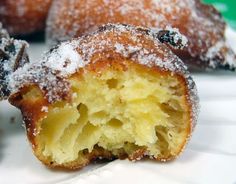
x,y
227,8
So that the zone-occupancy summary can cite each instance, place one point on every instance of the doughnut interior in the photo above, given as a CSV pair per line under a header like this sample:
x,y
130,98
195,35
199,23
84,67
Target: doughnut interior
x,y
116,111
116,93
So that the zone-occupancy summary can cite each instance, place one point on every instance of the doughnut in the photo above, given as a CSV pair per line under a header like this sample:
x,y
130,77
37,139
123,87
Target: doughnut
x,y
13,54
22,17
201,24
119,92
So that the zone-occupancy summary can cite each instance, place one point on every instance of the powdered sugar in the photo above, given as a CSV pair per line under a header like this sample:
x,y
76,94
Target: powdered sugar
x,y
178,36
201,24
12,55
135,44
44,109
216,50
119,48
66,60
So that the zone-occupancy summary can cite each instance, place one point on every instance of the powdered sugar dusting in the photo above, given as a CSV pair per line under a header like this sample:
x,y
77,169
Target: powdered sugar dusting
x,y
178,36
173,36
201,24
135,44
216,51
66,60
12,55
44,109
49,72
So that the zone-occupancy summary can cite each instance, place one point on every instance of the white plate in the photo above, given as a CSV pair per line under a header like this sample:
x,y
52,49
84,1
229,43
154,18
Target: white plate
x,y
209,158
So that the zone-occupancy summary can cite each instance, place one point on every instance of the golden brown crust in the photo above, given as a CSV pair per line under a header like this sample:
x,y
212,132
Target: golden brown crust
x,y
32,113
21,17
193,18
104,56
110,41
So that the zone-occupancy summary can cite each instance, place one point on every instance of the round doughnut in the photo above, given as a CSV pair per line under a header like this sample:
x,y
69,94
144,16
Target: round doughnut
x,y
201,24
22,17
117,93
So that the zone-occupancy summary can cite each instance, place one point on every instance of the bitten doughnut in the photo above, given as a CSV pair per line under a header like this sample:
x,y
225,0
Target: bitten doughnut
x,y
115,93
13,54
202,24
22,17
